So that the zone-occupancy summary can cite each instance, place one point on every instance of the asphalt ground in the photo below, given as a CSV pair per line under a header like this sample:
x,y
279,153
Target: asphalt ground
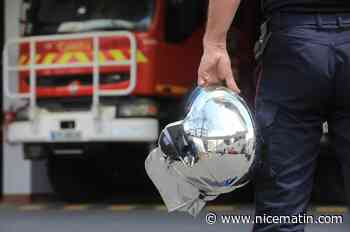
x,y
115,217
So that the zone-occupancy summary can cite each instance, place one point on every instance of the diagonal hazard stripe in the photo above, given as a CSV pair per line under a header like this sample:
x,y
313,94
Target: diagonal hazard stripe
x,y
101,58
81,57
49,58
117,55
37,58
141,58
23,60
66,57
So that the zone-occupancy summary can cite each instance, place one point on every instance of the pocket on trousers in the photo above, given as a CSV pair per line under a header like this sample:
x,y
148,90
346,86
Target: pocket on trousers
x,y
266,116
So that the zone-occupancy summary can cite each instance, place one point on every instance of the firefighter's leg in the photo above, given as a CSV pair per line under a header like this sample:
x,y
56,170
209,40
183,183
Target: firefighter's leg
x,y
289,110
340,139
339,123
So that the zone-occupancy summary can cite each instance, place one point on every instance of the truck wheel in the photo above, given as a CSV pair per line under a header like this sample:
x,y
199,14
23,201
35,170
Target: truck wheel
x,y
76,179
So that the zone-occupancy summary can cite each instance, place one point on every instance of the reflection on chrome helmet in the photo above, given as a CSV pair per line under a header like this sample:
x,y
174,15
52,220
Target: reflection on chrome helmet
x,y
213,147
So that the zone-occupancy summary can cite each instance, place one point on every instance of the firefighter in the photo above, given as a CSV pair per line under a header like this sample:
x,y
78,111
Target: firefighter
x,y
304,50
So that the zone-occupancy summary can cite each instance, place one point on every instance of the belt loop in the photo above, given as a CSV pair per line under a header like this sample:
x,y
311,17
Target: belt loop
x,y
319,20
340,21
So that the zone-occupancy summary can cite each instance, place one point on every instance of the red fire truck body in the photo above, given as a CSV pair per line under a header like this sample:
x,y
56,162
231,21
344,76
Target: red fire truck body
x,y
91,76
100,64
162,68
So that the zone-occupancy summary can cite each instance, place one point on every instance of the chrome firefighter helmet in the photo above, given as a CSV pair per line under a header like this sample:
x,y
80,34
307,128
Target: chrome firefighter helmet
x,y
213,147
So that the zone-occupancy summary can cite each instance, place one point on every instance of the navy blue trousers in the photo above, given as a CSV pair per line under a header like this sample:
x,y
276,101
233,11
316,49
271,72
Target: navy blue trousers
x,y
305,82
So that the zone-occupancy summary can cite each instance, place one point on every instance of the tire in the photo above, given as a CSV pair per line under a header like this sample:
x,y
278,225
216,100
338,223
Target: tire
x,y
77,179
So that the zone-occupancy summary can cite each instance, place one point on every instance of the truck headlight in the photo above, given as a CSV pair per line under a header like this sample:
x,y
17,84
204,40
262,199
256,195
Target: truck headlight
x,y
138,108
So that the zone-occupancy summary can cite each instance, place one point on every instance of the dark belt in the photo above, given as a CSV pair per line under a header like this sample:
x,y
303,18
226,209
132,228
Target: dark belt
x,y
286,19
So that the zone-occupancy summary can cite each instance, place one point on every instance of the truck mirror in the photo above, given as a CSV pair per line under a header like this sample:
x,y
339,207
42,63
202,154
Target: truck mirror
x,y
183,17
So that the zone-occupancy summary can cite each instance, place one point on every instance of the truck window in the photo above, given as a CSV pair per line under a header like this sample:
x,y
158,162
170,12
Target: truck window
x,y
69,16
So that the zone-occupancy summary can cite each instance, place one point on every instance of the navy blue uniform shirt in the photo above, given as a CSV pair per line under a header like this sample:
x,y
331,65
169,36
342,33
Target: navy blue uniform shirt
x,y
312,6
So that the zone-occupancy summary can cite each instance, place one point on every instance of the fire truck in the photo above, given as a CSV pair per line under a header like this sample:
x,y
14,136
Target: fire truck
x,y
89,77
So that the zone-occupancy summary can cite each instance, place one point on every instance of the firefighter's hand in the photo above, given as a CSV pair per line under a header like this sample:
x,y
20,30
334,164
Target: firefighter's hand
x,y
215,67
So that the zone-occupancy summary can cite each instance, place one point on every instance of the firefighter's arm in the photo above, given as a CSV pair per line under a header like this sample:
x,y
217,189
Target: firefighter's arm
x,y
215,65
